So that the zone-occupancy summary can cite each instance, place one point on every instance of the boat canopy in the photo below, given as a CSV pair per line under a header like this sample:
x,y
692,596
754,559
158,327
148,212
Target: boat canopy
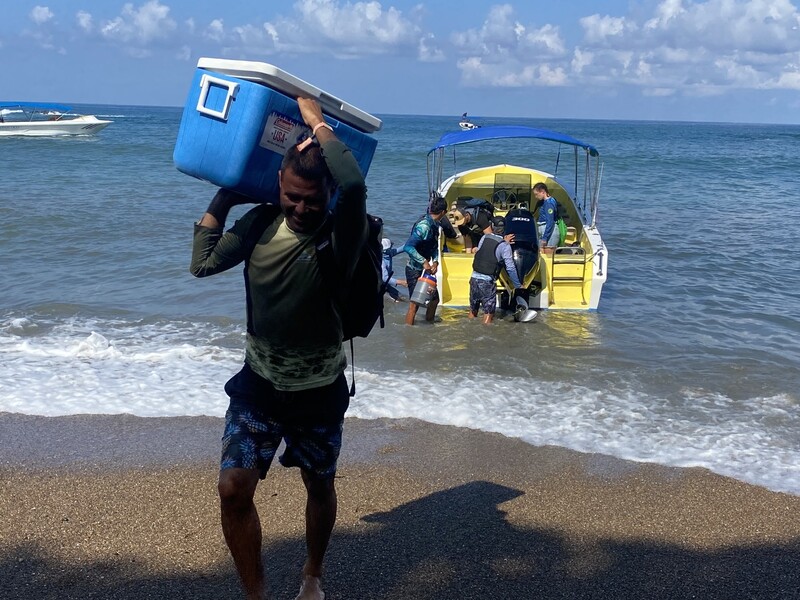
x,y
508,131
36,106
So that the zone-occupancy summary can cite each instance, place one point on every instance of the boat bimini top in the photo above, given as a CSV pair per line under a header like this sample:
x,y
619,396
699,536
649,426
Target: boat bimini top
x,y
590,164
497,132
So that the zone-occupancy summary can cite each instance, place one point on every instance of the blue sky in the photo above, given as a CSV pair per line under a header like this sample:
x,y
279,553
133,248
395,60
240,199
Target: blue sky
x,y
713,60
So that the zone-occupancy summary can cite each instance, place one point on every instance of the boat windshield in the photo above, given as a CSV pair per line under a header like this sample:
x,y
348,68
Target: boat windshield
x,y
26,112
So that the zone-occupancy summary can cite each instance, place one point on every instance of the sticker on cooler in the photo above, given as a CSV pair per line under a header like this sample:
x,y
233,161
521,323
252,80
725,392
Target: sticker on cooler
x,y
280,132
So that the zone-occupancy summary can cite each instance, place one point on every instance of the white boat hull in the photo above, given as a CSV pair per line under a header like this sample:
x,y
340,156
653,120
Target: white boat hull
x,y
80,125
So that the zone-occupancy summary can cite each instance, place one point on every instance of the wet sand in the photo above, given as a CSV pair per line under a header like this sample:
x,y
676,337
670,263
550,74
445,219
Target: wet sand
x,y
125,507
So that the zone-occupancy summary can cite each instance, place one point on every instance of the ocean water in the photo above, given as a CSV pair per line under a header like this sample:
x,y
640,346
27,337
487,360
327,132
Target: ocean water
x,y
692,358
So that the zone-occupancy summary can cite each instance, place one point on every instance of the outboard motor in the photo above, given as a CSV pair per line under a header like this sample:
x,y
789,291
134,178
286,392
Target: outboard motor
x,y
521,223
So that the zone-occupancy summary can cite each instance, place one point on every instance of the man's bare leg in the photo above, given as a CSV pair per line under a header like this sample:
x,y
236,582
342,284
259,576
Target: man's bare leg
x,y
411,313
321,506
430,311
242,527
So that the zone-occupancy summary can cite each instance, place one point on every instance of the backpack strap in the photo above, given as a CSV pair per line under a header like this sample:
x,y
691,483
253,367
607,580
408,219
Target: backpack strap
x,y
330,275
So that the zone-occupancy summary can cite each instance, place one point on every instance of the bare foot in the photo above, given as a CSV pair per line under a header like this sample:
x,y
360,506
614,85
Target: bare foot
x,y
311,589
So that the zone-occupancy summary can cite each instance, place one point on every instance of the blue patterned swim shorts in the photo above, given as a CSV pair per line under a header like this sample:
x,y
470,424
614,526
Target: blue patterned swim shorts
x,y
482,294
259,417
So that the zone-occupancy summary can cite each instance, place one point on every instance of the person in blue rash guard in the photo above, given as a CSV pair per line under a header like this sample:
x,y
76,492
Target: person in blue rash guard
x,y
422,248
546,220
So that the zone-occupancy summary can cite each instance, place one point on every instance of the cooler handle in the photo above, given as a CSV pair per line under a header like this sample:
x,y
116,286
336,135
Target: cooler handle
x,y
205,85
329,101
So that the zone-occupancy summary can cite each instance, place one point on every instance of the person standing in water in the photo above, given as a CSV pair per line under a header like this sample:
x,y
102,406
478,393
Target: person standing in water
x,y
422,248
492,255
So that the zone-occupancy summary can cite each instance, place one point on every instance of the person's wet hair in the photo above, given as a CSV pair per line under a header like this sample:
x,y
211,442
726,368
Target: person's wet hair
x,y
308,164
436,204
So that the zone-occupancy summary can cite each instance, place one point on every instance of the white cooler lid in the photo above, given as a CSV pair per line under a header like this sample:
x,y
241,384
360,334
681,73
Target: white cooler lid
x,y
290,85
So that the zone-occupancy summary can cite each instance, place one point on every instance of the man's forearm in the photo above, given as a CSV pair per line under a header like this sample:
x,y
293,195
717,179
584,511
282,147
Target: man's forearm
x,y
218,209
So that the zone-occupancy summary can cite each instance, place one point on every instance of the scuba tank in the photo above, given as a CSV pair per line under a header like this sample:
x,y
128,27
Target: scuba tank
x,y
424,290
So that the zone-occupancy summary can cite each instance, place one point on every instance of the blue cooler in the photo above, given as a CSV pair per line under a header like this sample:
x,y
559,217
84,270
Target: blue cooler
x,y
241,117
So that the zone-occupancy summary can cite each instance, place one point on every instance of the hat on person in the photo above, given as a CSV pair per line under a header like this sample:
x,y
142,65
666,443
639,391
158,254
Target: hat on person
x,y
499,225
386,243
456,217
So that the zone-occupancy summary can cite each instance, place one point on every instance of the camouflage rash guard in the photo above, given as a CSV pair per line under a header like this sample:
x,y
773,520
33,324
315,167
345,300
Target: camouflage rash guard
x,y
296,337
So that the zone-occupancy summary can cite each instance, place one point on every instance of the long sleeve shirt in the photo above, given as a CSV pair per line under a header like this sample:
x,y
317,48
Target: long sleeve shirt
x,y
423,243
547,215
295,336
386,266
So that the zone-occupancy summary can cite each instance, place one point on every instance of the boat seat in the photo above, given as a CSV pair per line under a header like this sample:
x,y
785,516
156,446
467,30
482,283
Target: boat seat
x,y
571,237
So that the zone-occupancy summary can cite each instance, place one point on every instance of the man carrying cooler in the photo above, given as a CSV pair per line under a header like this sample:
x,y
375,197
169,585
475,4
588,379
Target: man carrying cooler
x,y
292,386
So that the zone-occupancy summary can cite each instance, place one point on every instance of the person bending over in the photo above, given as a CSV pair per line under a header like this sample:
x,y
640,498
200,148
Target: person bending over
x,y
493,253
473,223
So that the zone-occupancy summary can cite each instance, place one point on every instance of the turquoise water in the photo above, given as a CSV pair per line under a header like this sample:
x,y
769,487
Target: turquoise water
x,y
691,359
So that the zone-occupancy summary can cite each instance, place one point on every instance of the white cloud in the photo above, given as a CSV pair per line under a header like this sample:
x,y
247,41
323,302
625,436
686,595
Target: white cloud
x,y
788,81
502,34
508,53
580,60
477,72
346,29
685,46
184,53
429,51
85,21
598,29
140,25
40,14
215,30
665,12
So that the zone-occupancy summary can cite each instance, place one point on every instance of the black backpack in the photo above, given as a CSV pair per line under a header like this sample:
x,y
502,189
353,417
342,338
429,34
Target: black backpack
x,y
480,203
361,303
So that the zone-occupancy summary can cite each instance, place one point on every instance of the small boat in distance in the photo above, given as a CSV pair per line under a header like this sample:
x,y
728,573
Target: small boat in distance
x,y
465,124
45,119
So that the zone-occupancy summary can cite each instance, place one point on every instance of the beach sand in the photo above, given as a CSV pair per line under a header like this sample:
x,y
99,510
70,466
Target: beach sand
x,y
125,507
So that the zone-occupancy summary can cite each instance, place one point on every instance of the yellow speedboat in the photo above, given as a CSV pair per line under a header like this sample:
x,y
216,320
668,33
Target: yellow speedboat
x,y
572,276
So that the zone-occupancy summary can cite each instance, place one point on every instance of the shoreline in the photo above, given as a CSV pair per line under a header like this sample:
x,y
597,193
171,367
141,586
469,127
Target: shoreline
x,y
93,506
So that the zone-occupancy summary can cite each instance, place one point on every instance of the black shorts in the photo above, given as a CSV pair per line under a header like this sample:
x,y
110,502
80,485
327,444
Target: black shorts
x,y
259,417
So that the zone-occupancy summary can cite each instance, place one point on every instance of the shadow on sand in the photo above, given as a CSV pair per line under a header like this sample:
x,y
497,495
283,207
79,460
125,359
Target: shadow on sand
x,y
451,544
